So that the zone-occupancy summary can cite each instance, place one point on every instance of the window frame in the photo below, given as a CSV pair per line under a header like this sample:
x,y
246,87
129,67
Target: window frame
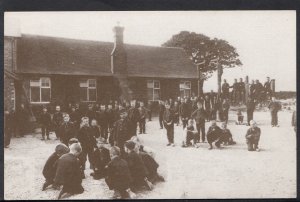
x,y
40,90
185,89
87,81
153,89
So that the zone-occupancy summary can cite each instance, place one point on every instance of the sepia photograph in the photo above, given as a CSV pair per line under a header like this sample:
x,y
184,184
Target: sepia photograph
x,y
150,105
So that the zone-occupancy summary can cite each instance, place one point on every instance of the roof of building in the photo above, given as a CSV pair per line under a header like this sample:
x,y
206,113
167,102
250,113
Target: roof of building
x,y
52,55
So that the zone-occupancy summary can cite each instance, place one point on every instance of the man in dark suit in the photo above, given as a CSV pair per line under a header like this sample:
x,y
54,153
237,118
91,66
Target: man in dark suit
x,y
250,109
57,120
200,115
45,121
225,89
133,118
102,118
168,120
185,112
274,107
161,113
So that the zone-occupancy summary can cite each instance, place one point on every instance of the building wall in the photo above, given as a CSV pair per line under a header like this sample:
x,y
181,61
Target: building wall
x,y
9,89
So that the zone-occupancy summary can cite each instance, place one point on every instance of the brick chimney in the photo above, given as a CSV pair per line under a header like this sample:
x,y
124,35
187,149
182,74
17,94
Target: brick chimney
x,y
119,64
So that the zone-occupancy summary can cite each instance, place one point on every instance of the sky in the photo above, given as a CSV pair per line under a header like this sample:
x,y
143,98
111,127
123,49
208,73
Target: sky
x,y
265,40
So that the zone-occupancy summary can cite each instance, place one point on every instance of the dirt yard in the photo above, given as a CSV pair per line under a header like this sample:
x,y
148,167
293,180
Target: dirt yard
x,y
230,172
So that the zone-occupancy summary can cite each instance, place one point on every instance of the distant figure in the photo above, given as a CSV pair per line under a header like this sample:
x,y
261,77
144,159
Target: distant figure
x,y
267,88
57,120
8,127
161,113
185,112
68,172
200,115
241,91
225,110
168,120
225,89
274,107
253,136
45,121
240,117
22,117
294,121
51,165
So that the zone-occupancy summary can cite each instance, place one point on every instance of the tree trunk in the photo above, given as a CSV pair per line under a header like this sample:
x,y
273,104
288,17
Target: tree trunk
x,y
200,87
220,73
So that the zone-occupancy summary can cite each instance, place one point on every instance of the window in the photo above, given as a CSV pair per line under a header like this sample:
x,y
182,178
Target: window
x,y
40,90
153,87
185,88
88,90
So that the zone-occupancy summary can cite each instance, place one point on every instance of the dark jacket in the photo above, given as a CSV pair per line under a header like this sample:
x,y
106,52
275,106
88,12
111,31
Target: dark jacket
x,y
185,110
161,110
274,106
250,106
95,130
66,132
150,164
118,174
253,134
137,167
199,115
68,174
225,88
75,117
49,169
110,117
168,117
214,133
45,119
133,115
86,138
57,118
120,132
101,158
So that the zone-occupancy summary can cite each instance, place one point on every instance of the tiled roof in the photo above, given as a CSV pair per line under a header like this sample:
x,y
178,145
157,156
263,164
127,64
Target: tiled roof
x,y
52,55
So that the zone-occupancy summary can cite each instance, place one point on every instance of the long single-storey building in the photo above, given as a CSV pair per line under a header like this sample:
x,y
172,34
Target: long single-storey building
x,y
41,70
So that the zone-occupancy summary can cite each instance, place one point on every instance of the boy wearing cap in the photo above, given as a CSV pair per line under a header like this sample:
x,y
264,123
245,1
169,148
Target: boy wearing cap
x,y
45,121
137,167
253,136
118,176
68,172
51,165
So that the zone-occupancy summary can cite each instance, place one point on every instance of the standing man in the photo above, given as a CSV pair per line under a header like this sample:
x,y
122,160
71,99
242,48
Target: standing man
x,y
102,119
8,126
168,120
45,121
250,110
57,120
274,107
66,130
207,107
133,118
241,91
185,112
176,113
22,117
225,89
150,107
234,92
75,117
225,110
267,87
142,122
161,113
199,115
252,90
258,91
120,131
213,104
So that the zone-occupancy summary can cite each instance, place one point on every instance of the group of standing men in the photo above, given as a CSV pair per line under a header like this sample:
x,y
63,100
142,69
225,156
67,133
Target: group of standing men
x,y
257,91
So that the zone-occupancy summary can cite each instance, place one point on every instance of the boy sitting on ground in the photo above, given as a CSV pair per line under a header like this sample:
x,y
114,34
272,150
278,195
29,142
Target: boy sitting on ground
x,y
51,165
253,136
189,134
118,176
226,135
214,134
137,168
101,159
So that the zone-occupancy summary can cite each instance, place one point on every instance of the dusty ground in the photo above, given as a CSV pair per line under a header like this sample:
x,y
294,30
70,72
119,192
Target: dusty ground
x,y
231,172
